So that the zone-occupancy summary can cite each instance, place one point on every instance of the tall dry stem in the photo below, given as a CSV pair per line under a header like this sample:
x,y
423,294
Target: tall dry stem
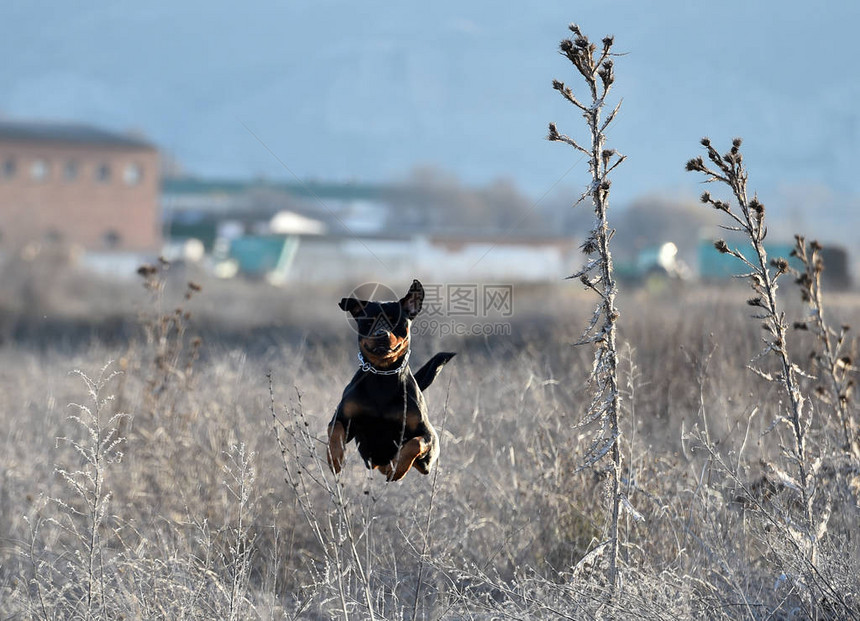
x,y
834,362
763,276
596,68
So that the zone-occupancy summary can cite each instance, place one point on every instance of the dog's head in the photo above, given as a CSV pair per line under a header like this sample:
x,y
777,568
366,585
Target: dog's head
x,y
383,327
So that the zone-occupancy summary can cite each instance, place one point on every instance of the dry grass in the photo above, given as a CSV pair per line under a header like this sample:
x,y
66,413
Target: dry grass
x,y
204,517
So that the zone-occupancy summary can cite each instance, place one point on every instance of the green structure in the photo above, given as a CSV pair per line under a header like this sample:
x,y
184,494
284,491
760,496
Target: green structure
x,y
714,265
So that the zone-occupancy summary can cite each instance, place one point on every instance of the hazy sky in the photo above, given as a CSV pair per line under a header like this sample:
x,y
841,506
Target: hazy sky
x,y
368,90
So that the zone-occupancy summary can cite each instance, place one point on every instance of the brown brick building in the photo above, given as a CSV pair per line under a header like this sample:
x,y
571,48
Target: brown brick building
x,y
77,184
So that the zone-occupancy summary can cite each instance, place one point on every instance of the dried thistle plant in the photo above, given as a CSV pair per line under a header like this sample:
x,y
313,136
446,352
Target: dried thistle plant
x,y
763,276
173,353
597,69
834,362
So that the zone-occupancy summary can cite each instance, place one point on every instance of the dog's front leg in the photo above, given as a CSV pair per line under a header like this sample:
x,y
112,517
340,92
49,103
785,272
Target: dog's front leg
x,y
336,446
407,455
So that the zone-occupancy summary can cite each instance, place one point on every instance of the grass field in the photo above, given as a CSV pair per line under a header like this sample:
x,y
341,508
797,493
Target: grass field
x,y
192,484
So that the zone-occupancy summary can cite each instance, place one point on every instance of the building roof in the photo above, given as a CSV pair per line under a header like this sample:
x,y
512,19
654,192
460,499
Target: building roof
x,y
305,189
68,133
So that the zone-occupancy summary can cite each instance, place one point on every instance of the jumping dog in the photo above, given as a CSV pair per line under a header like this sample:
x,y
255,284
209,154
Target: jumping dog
x,y
383,407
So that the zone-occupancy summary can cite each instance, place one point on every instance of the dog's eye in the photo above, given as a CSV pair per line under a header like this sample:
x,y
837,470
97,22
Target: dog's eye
x,y
365,326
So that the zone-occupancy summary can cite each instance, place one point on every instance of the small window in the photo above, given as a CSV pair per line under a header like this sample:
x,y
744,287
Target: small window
x,y
10,167
103,173
132,174
70,170
39,170
111,239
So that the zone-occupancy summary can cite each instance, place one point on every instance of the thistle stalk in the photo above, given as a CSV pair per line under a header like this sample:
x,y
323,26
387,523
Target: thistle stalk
x,y
835,364
596,67
729,169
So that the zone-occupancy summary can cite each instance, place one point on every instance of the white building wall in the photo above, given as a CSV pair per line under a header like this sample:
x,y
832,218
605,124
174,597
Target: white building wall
x,y
357,260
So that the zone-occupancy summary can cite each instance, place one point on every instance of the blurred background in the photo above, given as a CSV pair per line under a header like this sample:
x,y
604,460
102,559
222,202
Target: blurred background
x,y
329,142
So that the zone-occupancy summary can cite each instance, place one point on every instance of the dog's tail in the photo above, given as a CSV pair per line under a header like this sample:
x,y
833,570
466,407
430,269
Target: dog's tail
x,y
426,374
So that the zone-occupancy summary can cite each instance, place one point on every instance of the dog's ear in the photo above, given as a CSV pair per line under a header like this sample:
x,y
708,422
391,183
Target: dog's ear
x,y
353,306
413,300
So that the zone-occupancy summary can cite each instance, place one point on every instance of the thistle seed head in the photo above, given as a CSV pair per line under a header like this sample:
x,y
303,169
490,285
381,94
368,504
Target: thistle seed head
x,y
696,164
780,264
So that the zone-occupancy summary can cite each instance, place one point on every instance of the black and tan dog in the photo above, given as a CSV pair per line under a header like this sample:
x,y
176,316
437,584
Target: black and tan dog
x,y
383,407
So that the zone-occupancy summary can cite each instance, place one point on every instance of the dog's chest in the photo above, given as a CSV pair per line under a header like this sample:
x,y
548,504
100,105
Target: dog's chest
x,y
389,407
